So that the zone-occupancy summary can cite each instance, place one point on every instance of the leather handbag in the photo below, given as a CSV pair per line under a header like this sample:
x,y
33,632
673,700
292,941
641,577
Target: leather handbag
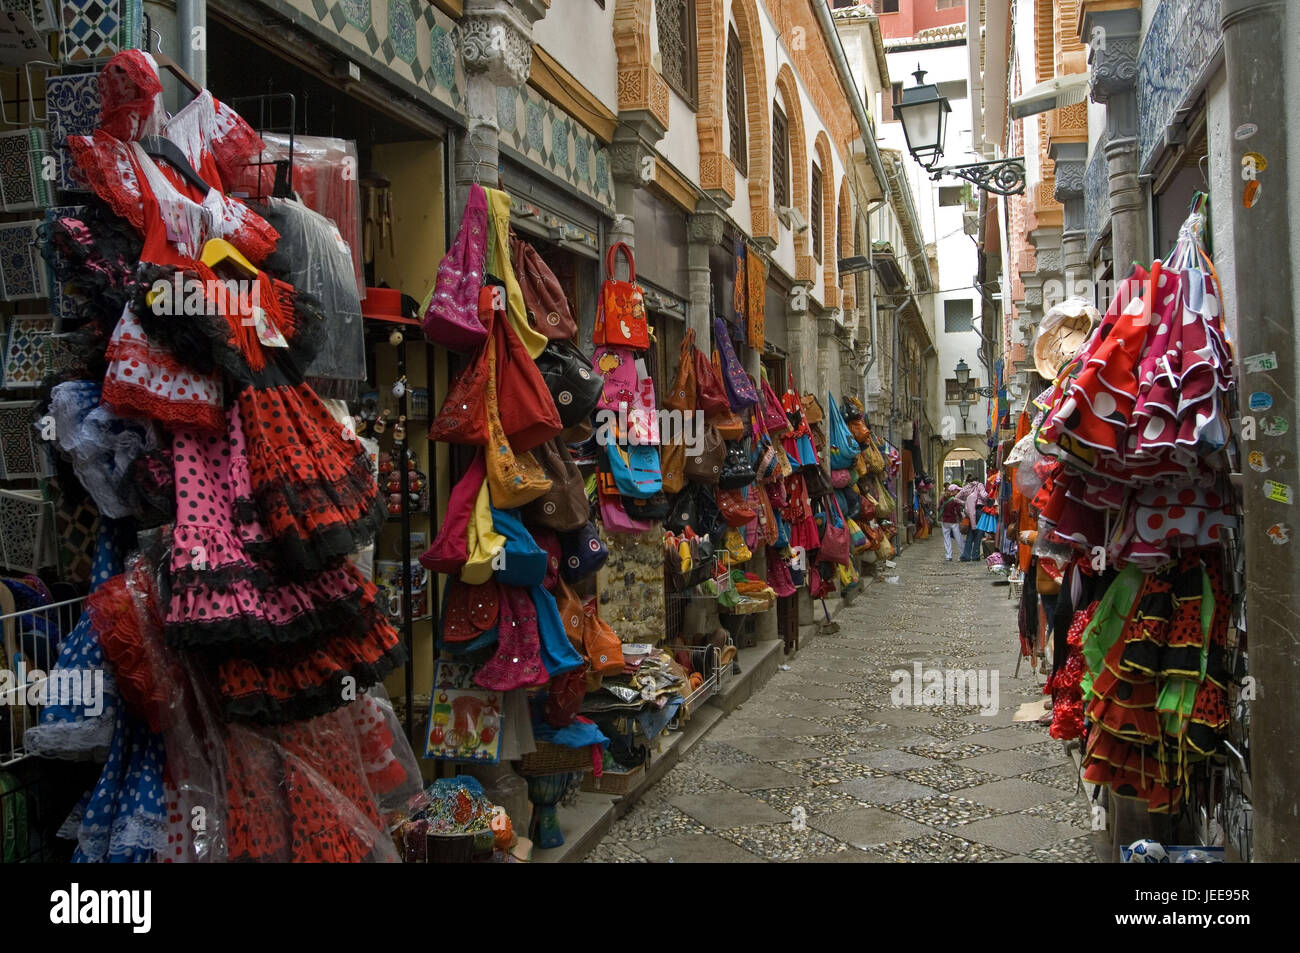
x,y
735,508
710,394
544,300
681,396
514,479
741,394
652,509
730,427
564,506
817,481
620,313
695,507
812,409
706,467
737,470
523,562
463,417
572,381
603,648
482,541
672,467
527,410
584,552
835,546
449,550
452,313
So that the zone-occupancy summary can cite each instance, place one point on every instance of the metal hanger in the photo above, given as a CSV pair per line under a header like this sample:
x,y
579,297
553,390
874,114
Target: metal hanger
x,y
160,147
166,62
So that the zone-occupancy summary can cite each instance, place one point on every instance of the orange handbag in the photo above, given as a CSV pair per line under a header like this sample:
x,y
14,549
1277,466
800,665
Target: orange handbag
x,y
620,314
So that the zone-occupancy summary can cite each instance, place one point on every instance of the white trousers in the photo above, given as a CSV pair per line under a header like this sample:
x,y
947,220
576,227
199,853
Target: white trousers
x,y
952,534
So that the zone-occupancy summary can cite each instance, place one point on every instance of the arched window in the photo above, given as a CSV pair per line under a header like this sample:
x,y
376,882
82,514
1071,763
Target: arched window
x,y
780,157
736,103
815,192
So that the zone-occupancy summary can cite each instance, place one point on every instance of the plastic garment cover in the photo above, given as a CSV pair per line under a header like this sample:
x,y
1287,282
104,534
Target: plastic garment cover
x,y
314,258
324,789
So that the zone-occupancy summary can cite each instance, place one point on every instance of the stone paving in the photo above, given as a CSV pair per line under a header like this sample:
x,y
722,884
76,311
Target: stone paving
x,y
820,765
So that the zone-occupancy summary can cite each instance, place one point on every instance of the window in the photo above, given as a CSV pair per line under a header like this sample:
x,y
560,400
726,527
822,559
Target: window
x,y
780,158
896,97
815,212
889,6
949,4
953,393
736,104
958,315
952,194
676,20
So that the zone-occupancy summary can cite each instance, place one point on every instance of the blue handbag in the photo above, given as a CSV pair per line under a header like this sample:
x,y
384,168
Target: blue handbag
x,y
523,561
558,653
782,533
637,475
844,449
584,553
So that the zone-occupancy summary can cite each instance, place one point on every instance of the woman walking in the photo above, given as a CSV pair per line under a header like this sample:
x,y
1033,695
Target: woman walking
x,y
950,510
973,499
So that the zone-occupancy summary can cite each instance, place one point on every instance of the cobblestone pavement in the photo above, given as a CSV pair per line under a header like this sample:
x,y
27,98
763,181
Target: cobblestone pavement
x,y
874,782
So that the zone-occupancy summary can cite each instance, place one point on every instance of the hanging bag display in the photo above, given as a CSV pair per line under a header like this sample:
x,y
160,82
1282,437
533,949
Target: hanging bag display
x,y
602,647
523,562
564,506
449,550
583,552
544,301
706,467
774,418
652,509
620,313
835,545
452,313
572,381
682,394
527,410
514,479
710,395
498,263
635,470
483,542
735,508
737,470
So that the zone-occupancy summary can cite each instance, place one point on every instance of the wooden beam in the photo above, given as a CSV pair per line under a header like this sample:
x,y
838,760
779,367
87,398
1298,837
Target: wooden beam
x,y
558,85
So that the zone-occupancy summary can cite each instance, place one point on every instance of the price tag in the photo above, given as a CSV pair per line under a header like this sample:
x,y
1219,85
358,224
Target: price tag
x,y
1256,363
1278,492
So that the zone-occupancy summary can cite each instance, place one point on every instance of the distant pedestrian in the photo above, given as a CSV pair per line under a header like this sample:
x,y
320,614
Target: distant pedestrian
x,y
973,498
950,510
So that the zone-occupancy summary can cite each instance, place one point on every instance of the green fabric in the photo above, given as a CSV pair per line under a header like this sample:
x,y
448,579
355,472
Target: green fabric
x,y
1108,622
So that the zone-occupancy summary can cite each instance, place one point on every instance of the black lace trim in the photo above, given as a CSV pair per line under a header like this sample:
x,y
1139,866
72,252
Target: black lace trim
x,y
325,620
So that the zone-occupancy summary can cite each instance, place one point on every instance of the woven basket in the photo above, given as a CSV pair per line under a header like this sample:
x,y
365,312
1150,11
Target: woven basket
x,y
555,759
611,782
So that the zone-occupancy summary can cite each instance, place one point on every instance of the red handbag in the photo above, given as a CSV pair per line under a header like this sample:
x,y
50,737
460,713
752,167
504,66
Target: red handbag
x,y
564,697
450,549
735,509
710,396
620,314
463,417
527,409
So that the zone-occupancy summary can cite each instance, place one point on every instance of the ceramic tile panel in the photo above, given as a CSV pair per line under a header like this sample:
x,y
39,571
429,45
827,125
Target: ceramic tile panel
x,y
1179,43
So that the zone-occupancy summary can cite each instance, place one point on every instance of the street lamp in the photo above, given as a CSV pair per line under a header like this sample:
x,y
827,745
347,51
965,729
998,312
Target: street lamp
x,y
924,114
962,373
963,407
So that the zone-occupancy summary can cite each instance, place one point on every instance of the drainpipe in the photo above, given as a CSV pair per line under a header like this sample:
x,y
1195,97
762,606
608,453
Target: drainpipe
x,y
1254,38
191,47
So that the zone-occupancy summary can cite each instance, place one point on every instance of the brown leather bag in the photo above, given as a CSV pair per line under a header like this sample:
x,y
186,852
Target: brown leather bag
x,y
514,478
672,467
544,300
707,467
682,394
564,506
812,409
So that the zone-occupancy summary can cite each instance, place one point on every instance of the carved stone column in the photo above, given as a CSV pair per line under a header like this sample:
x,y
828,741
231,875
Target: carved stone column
x,y
1071,161
703,231
496,49
632,166
1116,38
1047,266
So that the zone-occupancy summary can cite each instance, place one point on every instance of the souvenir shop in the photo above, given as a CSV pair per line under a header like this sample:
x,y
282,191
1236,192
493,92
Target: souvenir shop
x,y
1123,528
306,496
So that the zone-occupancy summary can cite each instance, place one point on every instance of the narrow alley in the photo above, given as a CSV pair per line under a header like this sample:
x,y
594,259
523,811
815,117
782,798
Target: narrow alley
x,y
821,765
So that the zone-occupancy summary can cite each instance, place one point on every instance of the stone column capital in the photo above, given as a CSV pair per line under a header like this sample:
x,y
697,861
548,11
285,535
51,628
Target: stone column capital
x,y
1114,38
705,228
495,37
1071,160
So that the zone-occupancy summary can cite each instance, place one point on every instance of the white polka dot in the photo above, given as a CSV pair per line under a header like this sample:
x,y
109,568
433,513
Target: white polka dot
x,y
1104,404
1154,428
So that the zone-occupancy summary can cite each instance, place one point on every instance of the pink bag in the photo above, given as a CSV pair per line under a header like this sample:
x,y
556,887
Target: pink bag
x,y
615,519
774,418
836,545
451,315
841,478
778,574
617,367
450,550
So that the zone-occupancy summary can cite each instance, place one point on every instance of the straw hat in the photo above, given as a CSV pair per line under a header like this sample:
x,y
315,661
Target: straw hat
x,y
1062,334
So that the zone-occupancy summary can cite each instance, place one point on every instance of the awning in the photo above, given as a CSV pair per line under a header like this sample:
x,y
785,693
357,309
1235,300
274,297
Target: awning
x,y
1050,94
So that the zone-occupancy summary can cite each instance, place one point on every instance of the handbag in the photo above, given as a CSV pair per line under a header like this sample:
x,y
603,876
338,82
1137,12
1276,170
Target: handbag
x,y
636,474
850,503
682,394
602,646
672,467
730,427
498,263
740,389
572,381
857,538
620,313
652,509
528,414
706,467
469,611
514,479
463,417
774,417
843,448
584,552
695,507
564,697
757,494
544,301
965,524
558,654
617,368
778,575
482,541
734,507
523,562
737,470
812,409
841,478
817,481
614,517
564,506
710,395
449,550
452,312
835,547
737,551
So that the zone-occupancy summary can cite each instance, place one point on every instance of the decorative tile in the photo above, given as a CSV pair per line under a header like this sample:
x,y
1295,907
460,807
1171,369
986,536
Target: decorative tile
x,y
506,118
1180,40
22,273
99,29
533,126
25,531
72,106
401,29
581,151
22,183
443,54
27,351
41,12
18,459
356,12
560,143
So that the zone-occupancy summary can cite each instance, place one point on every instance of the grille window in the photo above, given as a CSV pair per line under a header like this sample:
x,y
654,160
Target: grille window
x,y
736,104
676,20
